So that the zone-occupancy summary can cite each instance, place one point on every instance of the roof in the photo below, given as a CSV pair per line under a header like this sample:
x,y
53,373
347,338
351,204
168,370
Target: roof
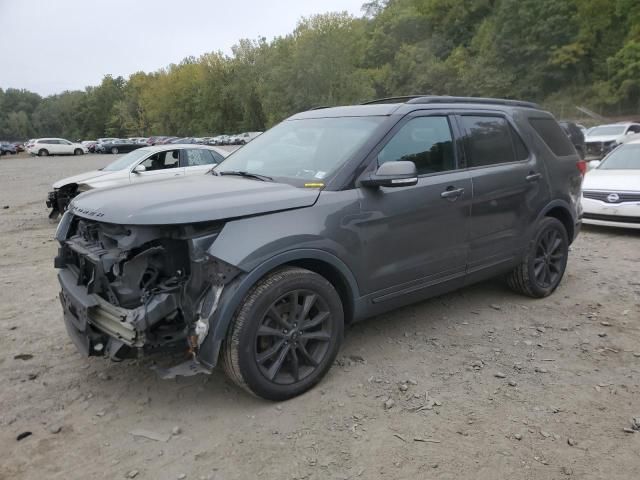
x,y
388,106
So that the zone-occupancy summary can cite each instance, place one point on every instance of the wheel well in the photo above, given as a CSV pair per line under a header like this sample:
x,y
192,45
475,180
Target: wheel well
x,y
334,277
565,217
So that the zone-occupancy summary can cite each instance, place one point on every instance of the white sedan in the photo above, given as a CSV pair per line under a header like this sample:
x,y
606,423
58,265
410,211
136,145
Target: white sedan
x,y
142,165
611,189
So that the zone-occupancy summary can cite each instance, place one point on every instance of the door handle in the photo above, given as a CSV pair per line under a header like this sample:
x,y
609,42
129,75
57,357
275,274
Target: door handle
x,y
452,193
533,177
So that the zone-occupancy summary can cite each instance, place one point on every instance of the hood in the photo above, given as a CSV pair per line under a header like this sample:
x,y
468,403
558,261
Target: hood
x,y
603,138
612,180
82,178
189,200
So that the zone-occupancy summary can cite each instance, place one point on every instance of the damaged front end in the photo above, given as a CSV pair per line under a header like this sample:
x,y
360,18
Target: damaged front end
x,y
58,200
129,291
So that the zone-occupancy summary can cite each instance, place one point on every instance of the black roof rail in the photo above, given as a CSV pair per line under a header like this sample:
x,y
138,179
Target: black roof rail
x,y
490,101
426,99
403,99
319,107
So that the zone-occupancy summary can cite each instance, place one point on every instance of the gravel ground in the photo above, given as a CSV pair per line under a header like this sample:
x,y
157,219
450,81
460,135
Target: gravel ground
x,y
480,383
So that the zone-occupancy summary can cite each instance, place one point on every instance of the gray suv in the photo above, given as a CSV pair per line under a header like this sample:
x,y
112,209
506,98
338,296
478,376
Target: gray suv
x,y
332,216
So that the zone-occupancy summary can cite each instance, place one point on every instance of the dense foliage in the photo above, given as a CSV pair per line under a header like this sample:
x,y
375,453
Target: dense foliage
x,y
559,52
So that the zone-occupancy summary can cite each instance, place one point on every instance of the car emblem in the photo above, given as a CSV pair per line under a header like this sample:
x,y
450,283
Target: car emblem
x,y
613,198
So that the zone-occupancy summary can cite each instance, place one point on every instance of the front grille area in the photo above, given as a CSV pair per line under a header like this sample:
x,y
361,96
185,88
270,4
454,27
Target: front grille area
x,y
611,218
603,196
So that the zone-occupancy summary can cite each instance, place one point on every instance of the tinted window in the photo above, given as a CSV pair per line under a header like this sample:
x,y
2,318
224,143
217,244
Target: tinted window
x,y
553,136
162,160
634,128
425,141
195,157
489,141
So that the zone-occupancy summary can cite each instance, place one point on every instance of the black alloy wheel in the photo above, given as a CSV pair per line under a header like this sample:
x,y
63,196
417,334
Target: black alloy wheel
x,y
285,335
293,337
545,261
549,261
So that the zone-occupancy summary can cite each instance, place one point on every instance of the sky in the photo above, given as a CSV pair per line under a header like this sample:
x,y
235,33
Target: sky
x,y
48,46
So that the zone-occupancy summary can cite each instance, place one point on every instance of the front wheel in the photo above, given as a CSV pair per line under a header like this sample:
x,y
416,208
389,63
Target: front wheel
x,y
78,151
43,153
545,261
285,335
114,150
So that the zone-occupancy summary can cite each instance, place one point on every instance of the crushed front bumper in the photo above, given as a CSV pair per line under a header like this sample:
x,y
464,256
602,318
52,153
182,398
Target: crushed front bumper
x,y
98,328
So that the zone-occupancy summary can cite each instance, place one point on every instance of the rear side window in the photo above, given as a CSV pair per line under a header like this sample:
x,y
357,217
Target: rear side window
x,y
491,140
196,157
553,136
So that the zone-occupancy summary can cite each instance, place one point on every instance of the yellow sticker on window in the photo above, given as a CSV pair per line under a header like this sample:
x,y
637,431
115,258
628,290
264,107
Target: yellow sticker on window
x,y
314,185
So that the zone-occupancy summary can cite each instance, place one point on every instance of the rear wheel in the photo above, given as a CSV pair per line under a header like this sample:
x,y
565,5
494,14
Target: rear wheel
x,y
544,264
43,152
114,150
78,151
285,335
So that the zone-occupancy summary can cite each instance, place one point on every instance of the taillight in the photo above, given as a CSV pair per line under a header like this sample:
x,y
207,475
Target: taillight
x,y
582,167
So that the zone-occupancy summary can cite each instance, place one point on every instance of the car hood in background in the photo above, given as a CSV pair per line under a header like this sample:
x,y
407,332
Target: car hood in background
x,y
189,200
603,138
612,180
83,177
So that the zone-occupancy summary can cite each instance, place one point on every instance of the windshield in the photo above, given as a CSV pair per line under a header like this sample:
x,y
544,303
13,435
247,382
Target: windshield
x,y
310,149
127,161
607,131
626,157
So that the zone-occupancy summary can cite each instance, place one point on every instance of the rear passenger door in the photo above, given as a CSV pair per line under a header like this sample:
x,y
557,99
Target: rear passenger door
x,y
197,161
509,188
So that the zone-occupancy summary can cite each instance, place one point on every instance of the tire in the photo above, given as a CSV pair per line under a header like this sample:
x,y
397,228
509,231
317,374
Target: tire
x,y
544,263
114,150
43,152
263,334
78,151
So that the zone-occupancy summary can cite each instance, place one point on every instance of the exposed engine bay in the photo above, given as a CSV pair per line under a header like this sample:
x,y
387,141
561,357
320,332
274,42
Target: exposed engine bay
x,y
129,291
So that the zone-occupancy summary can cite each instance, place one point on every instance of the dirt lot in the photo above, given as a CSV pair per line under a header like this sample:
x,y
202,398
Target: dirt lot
x,y
571,368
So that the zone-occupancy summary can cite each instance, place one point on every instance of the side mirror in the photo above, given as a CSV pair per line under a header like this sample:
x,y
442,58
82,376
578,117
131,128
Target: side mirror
x,y
392,174
594,164
139,169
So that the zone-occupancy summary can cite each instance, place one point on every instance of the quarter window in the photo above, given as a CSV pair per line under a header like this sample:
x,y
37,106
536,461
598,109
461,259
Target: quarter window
x,y
553,136
425,141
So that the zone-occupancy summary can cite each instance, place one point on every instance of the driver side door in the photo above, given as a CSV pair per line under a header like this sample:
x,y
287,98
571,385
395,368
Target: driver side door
x,y
160,165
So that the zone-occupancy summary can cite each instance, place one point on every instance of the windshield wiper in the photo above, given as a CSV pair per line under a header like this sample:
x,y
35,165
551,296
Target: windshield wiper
x,y
239,173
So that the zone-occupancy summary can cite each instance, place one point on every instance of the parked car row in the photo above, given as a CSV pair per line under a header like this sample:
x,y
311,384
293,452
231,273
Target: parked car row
x,y
11,148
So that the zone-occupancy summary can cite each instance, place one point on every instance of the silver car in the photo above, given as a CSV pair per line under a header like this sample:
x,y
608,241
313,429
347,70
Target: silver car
x,y
142,165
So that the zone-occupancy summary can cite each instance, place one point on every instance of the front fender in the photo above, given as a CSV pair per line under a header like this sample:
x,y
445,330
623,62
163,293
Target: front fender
x,y
236,291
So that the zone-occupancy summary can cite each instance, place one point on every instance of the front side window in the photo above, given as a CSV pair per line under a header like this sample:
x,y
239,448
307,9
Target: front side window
x,y
491,141
425,141
299,151
162,160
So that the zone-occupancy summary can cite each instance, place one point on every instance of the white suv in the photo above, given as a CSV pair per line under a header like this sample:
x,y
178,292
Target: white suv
x,y
55,146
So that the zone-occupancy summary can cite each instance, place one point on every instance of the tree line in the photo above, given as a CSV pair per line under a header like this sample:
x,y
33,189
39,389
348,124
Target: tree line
x,y
560,53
